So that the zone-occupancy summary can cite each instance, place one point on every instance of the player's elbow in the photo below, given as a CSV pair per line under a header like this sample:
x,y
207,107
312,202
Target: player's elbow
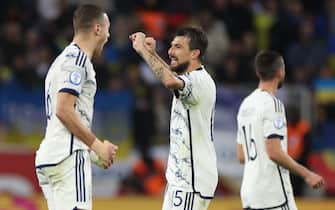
x,y
62,113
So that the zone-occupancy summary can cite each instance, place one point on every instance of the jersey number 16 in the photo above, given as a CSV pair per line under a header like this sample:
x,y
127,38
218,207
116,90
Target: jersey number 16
x,y
250,143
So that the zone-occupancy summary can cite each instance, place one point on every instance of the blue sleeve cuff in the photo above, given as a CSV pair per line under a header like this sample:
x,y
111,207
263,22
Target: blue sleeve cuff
x,y
68,90
274,136
183,82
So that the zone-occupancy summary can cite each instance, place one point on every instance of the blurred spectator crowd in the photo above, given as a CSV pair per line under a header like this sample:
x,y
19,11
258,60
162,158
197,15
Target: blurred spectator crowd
x,y
33,32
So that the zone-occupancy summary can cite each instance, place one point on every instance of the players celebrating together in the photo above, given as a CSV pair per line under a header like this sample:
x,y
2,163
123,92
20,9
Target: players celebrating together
x,y
63,160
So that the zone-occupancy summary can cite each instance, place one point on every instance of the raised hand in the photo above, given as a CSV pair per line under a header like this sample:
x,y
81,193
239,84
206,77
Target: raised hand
x,y
150,44
138,41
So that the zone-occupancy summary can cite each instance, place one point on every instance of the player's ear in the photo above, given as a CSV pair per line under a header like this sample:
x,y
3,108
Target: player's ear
x,y
97,29
195,54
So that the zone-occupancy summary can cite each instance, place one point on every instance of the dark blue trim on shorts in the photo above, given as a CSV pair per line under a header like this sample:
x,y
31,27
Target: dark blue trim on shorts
x,y
69,90
46,165
83,176
189,201
283,206
76,168
80,177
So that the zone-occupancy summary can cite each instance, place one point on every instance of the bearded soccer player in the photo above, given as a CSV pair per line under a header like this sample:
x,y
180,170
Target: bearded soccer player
x,y
191,172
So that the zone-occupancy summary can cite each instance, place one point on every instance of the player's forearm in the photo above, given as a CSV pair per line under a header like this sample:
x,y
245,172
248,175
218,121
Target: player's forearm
x,y
240,154
161,70
72,122
284,160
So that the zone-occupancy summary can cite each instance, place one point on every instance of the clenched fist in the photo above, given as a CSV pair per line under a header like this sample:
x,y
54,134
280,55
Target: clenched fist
x,y
141,42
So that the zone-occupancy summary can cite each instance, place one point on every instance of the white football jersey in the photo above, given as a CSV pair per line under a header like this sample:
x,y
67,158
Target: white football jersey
x,y
71,72
192,158
265,184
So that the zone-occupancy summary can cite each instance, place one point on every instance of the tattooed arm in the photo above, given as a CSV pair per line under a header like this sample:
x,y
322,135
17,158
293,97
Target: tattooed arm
x,y
145,47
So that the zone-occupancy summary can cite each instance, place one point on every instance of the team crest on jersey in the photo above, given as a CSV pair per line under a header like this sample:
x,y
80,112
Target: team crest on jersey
x,y
75,77
279,122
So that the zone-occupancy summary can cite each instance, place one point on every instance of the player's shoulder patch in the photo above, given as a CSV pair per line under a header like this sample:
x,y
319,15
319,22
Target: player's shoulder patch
x,y
75,77
279,122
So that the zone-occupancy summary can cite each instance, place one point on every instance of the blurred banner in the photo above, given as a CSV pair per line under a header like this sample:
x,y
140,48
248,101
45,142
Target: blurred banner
x,y
22,125
23,121
225,126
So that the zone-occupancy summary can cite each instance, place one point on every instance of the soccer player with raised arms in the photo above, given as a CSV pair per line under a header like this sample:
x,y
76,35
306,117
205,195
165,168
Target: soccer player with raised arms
x,y
63,164
262,142
191,172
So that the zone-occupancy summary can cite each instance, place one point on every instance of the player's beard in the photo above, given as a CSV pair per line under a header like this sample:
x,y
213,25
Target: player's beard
x,y
180,68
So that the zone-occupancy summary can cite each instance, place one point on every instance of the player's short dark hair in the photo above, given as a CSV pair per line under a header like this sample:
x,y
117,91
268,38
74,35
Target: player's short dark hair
x,y
198,39
85,16
267,63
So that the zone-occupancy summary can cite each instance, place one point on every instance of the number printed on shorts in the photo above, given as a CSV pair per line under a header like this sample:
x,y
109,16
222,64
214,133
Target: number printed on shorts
x,y
177,199
250,143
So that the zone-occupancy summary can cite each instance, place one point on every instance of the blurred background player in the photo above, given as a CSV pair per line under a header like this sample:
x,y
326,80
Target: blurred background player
x,y
262,142
191,172
63,161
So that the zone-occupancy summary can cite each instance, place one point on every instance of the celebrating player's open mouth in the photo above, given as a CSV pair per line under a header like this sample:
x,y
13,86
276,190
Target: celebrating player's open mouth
x,y
174,61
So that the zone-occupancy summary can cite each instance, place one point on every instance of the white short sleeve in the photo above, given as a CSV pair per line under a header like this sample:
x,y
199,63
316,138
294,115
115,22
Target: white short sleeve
x,y
71,78
190,94
274,120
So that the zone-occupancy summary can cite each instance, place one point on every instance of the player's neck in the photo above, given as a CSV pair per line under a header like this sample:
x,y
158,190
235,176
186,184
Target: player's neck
x,y
85,44
193,66
269,86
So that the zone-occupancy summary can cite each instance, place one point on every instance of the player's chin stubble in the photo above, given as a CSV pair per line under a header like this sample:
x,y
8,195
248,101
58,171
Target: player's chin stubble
x,y
181,68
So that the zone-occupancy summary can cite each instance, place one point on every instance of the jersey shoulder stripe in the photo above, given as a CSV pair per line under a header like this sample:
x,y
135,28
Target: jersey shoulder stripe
x,y
81,59
278,106
73,51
